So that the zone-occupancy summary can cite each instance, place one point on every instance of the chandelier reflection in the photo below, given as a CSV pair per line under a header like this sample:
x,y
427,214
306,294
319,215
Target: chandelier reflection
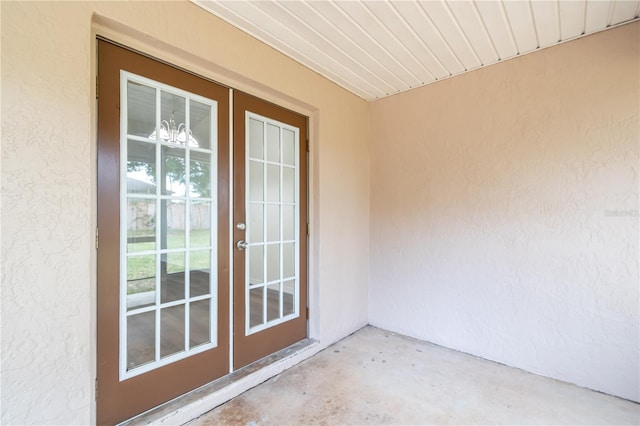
x,y
171,133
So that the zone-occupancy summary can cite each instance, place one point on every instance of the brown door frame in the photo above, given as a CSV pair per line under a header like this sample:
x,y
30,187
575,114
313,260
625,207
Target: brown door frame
x,y
250,348
118,401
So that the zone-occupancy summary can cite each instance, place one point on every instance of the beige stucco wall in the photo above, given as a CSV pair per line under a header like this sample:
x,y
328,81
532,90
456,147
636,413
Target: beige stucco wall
x,y
504,212
48,183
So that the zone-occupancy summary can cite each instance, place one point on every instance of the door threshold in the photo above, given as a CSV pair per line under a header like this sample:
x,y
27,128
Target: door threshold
x,y
193,404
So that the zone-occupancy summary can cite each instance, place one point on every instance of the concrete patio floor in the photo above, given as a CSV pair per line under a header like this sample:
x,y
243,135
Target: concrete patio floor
x,y
378,377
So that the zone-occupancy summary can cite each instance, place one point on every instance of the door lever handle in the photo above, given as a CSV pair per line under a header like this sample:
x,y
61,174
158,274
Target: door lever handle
x,y
242,245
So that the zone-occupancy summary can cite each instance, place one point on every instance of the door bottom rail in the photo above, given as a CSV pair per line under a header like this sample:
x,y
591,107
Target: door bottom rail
x,y
193,404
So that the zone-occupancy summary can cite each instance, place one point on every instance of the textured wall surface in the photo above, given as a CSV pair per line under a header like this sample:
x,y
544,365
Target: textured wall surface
x,y
504,212
48,178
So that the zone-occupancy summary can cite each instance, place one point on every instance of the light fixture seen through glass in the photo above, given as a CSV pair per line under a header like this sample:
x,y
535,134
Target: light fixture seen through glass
x,y
171,133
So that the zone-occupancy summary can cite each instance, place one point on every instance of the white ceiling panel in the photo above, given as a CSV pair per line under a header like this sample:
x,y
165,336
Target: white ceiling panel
x,y
572,14
340,30
424,27
545,18
520,20
416,44
443,18
494,18
382,42
376,48
419,61
300,21
597,15
621,11
470,23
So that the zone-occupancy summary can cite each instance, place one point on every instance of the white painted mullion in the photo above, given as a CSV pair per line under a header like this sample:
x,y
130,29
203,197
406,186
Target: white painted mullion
x,y
296,246
123,323
213,221
158,222
264,225
248,252
132,312
187,221
231,225
281,220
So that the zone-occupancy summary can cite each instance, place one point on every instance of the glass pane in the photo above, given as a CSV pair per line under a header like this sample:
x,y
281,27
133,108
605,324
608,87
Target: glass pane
x,y
173,170
288,223
172,224
256,181
273,223
199,273
288,185
171,330
172,277
200,175
255,232
199,323
200,223
288,260
273,262
273,183
256,139
141,281
273,143
256,303
200,122
141,167
141,339
172,126
141,109
288,297
141,224
170,218
273,302
288,147
256,264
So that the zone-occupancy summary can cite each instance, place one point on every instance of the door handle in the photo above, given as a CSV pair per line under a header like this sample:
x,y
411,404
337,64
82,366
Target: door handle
x,y
242,245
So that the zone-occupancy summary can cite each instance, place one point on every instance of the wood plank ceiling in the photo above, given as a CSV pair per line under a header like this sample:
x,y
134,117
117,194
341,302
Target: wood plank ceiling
x,y
379,48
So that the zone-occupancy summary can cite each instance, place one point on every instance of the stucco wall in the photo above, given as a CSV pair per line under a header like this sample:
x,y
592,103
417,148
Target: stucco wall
x,y
48,183
504,212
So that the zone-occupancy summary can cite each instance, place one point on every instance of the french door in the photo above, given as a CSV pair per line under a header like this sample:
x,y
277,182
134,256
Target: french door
x,y
270,210
164,243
